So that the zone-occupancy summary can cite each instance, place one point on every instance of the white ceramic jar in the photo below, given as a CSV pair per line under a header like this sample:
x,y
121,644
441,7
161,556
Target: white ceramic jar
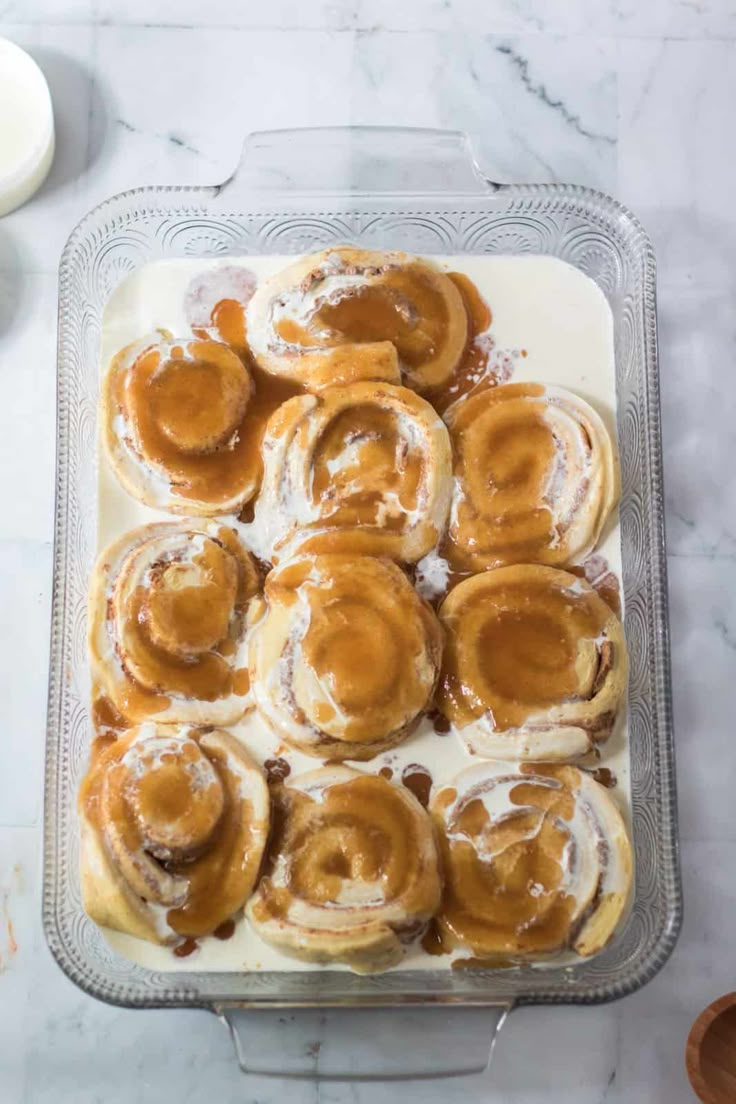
x,y
26,127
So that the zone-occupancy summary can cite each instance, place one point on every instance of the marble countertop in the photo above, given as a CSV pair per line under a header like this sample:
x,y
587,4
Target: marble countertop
x,y
633,98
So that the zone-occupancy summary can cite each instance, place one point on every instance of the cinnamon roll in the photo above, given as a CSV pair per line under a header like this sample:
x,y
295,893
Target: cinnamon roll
x,y
344,655
299,319
176,426
363,468
536,860
352,872
535,477
167,613
174,824
535,663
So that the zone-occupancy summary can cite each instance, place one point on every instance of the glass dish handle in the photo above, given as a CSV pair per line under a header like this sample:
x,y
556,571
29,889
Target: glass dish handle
x,y
367,1044
367,159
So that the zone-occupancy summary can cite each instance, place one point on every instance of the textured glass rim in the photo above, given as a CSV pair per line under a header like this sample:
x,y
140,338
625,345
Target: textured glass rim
x,y
185,989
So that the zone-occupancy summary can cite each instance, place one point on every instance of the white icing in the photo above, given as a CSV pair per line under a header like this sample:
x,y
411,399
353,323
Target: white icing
x,y
432,575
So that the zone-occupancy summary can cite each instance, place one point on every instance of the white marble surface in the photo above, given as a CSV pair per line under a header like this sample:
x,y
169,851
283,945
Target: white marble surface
x,y
633,98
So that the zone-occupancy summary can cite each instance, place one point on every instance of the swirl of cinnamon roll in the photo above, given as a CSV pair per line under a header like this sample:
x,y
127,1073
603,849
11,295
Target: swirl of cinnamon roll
x,y
300,318
174,825
176,426
362,468
536,860
167,610
352,873
535,477
535,663
345,656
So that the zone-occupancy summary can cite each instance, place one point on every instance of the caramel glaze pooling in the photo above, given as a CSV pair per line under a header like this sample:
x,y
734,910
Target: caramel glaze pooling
x,y
360,468
487,904
418,779
382,463
178,631
471,374
354,298
106,719
535,478
520,642
185,405
536,859
503,464
175,824
358,831
356,650
413,309
403,306
268,393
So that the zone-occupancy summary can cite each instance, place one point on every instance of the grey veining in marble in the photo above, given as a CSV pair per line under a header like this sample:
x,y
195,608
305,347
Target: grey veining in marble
x,y
634,98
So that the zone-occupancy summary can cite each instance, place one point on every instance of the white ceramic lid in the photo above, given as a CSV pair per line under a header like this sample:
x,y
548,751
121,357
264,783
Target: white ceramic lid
x,y
26,127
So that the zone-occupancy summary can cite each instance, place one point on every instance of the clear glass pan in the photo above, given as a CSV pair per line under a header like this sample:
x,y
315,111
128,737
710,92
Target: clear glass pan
x,y
294,192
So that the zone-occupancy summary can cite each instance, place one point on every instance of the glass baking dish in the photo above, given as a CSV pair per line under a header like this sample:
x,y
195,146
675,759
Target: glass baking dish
x,y
420,191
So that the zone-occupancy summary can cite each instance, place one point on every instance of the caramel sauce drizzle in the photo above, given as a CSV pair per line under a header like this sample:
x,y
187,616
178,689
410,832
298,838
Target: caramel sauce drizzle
x,y
269,391
418,780
106,719
404,308
472,373
597,572
186,948
361,829
504,451
186,832
514,902
276,770
378,465
414,307
190,416
369,639
177,634
518,647
434,941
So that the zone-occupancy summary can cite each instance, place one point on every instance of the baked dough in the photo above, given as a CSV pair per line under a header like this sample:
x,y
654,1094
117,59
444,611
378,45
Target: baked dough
x,y
362,468
166,623
176,427
352,873
534,666
535,477
174,824
299,320
344,655
537,860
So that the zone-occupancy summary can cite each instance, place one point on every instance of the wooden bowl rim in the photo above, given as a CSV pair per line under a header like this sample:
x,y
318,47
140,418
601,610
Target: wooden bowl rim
x,y
694,1043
